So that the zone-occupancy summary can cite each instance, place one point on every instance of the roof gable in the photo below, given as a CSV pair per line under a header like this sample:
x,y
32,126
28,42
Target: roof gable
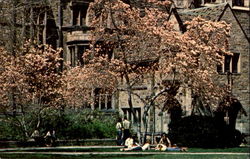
x,y
213,13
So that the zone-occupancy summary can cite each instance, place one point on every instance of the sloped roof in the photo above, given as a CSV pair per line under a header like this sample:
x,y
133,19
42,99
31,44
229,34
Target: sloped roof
x,y
212,13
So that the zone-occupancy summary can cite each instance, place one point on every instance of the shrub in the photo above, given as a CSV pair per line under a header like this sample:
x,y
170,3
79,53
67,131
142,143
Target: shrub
x,y
10,131
68,124
203,131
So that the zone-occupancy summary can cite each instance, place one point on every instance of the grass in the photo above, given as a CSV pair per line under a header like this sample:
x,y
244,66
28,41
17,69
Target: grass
x,y
235,149
129,156
84,149
160,156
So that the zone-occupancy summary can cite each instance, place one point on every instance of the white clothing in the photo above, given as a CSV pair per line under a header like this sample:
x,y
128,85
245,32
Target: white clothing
x,y
35,134
145,147
118,126
129,142
48,134
126,124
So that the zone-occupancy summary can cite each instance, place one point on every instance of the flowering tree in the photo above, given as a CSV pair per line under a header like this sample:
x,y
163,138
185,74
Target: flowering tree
x,y
125,31
30,81
143,42
79,82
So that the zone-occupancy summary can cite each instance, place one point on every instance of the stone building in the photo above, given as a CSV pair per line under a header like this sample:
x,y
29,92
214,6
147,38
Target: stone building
x,y
65,23
235,69
22,20
76,38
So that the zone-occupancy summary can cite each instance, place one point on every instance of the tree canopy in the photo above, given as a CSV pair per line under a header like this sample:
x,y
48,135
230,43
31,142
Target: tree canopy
x,y
137,41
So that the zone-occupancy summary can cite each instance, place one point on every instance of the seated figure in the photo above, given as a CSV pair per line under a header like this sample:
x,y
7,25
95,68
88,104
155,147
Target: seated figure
x,y
165,140
131,145
162,147
37,138
165,145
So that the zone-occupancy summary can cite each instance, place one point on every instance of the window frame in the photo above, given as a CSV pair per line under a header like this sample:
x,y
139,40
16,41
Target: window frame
x,y
102,101
79,15
72,55
80,51
231,64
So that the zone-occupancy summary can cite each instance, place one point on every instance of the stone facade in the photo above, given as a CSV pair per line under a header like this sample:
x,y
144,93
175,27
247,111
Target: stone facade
x,y
23,20
76,38
244,19
239,45
240,81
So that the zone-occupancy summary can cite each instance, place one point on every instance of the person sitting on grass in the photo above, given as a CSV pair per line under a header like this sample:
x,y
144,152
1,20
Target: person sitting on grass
x,y
165,140
162,147
37,138
131,145
165,145
50,138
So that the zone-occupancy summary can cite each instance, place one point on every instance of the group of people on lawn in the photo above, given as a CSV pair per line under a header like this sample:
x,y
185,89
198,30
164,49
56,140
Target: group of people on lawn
x,y
128,141
49,139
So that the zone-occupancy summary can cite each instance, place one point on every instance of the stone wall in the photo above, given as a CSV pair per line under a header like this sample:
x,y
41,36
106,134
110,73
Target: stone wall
x,y
238,44
78,35
244,19
240,85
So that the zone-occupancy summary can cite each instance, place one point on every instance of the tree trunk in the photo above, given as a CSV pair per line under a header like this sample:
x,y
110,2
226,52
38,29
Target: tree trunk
x,y
130,103
60,24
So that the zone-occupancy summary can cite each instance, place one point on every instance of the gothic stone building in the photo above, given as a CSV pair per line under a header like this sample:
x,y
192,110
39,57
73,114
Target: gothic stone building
x,y
25,19
236,12
64,23
235,69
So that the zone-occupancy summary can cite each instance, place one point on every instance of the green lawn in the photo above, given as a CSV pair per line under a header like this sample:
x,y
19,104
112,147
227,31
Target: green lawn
x,y
235,149
160,155
84,149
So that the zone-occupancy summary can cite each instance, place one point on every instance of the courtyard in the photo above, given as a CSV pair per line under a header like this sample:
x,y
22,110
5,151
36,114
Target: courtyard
x,y
79,77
